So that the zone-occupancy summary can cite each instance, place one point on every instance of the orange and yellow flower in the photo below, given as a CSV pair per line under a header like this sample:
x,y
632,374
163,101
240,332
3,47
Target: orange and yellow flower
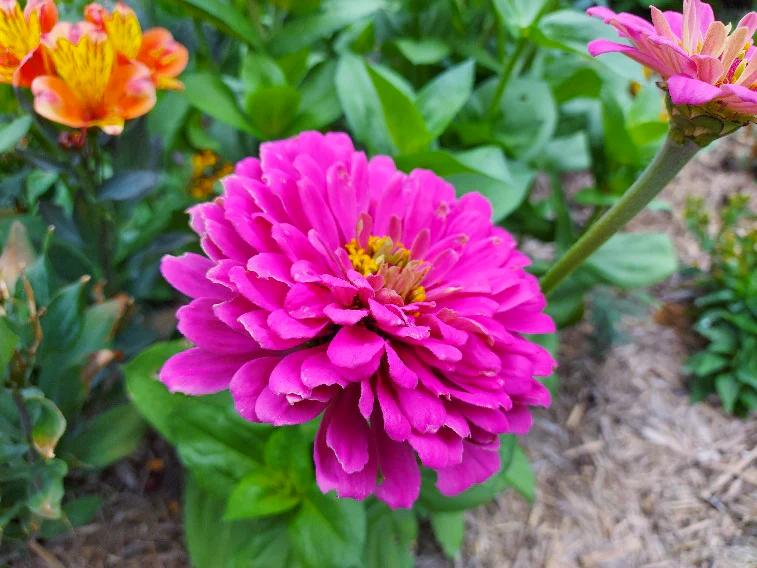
x,y
91,85
156,49
20,35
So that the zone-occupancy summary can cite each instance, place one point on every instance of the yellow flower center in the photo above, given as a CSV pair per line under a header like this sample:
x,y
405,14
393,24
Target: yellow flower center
x,y
391,261
85,66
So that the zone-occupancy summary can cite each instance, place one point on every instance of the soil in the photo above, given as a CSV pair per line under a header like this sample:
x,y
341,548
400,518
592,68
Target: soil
x,y
629,472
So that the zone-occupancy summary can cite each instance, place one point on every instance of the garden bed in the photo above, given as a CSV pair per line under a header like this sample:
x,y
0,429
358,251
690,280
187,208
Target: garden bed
x,y
629,472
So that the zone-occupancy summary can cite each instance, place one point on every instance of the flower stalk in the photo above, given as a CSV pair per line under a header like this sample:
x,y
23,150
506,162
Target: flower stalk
x,y
670,159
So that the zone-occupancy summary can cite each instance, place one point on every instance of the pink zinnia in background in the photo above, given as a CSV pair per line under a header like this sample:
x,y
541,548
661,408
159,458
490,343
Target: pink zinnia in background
x,y
702,60
337,285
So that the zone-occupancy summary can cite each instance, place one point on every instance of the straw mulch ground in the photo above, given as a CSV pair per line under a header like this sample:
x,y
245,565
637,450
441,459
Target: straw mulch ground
x,y
629,473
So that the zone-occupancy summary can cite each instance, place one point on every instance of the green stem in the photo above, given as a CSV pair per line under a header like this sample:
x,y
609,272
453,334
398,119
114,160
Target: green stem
x,y
504,77
666,164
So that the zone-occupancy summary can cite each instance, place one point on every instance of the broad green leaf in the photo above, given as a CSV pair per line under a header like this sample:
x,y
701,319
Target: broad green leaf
x,y
168,117
259,70
47,481
390,537
76,513
12,133
705,363
403,120
47,428
207,92
728,390
273,109
62,320
426,51
215,543
482,169
261,493
567,153
518,15
361,104
129,185
98,327
528,117
441,99
328,532
449,529
476,495
38,182
226,17
520,475
334,15
8,344
319,105
108,437
634,260
617,141
289,449
569,30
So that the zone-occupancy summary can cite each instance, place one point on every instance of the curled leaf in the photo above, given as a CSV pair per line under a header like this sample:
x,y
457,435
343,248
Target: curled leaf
x,y
16,256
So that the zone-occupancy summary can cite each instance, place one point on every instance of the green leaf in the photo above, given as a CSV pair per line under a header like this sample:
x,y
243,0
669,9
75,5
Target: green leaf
x,y
8,344
390,537
476,495
449,528
361,103
226,17
168,117
520,475
289,450
259,70
98,327
441,99
207,92
319,106
273,109
618,143
634,260
76,513
47,484
404,122
48,427
110,436
569,30
261,493
728,390
518,15
38,182
568,153
328,532
12,133
62,320
334,15
482,169
129,185
426,51
528,117
215,543
705,363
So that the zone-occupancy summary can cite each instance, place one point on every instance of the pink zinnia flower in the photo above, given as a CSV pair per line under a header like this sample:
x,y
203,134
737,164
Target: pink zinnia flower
x,y
700,59
337,285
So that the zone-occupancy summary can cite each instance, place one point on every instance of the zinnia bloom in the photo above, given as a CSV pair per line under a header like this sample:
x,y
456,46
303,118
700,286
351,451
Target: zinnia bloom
x,y
700,59
90,85
20,36
156,49
336,285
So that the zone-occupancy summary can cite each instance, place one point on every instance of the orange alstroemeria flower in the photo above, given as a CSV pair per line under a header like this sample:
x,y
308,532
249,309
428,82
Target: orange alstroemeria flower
x,y
165,57
20,35
91,85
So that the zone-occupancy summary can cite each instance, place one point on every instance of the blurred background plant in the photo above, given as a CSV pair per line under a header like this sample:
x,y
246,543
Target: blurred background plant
x,y
497,96
726,309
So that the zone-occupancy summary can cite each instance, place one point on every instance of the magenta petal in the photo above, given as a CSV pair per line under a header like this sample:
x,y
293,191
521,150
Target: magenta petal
x,y
187,272
688,91
198,372
274,409
479,464
442,449
199,323
399,372
348,432
401,477
354,346
247,384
